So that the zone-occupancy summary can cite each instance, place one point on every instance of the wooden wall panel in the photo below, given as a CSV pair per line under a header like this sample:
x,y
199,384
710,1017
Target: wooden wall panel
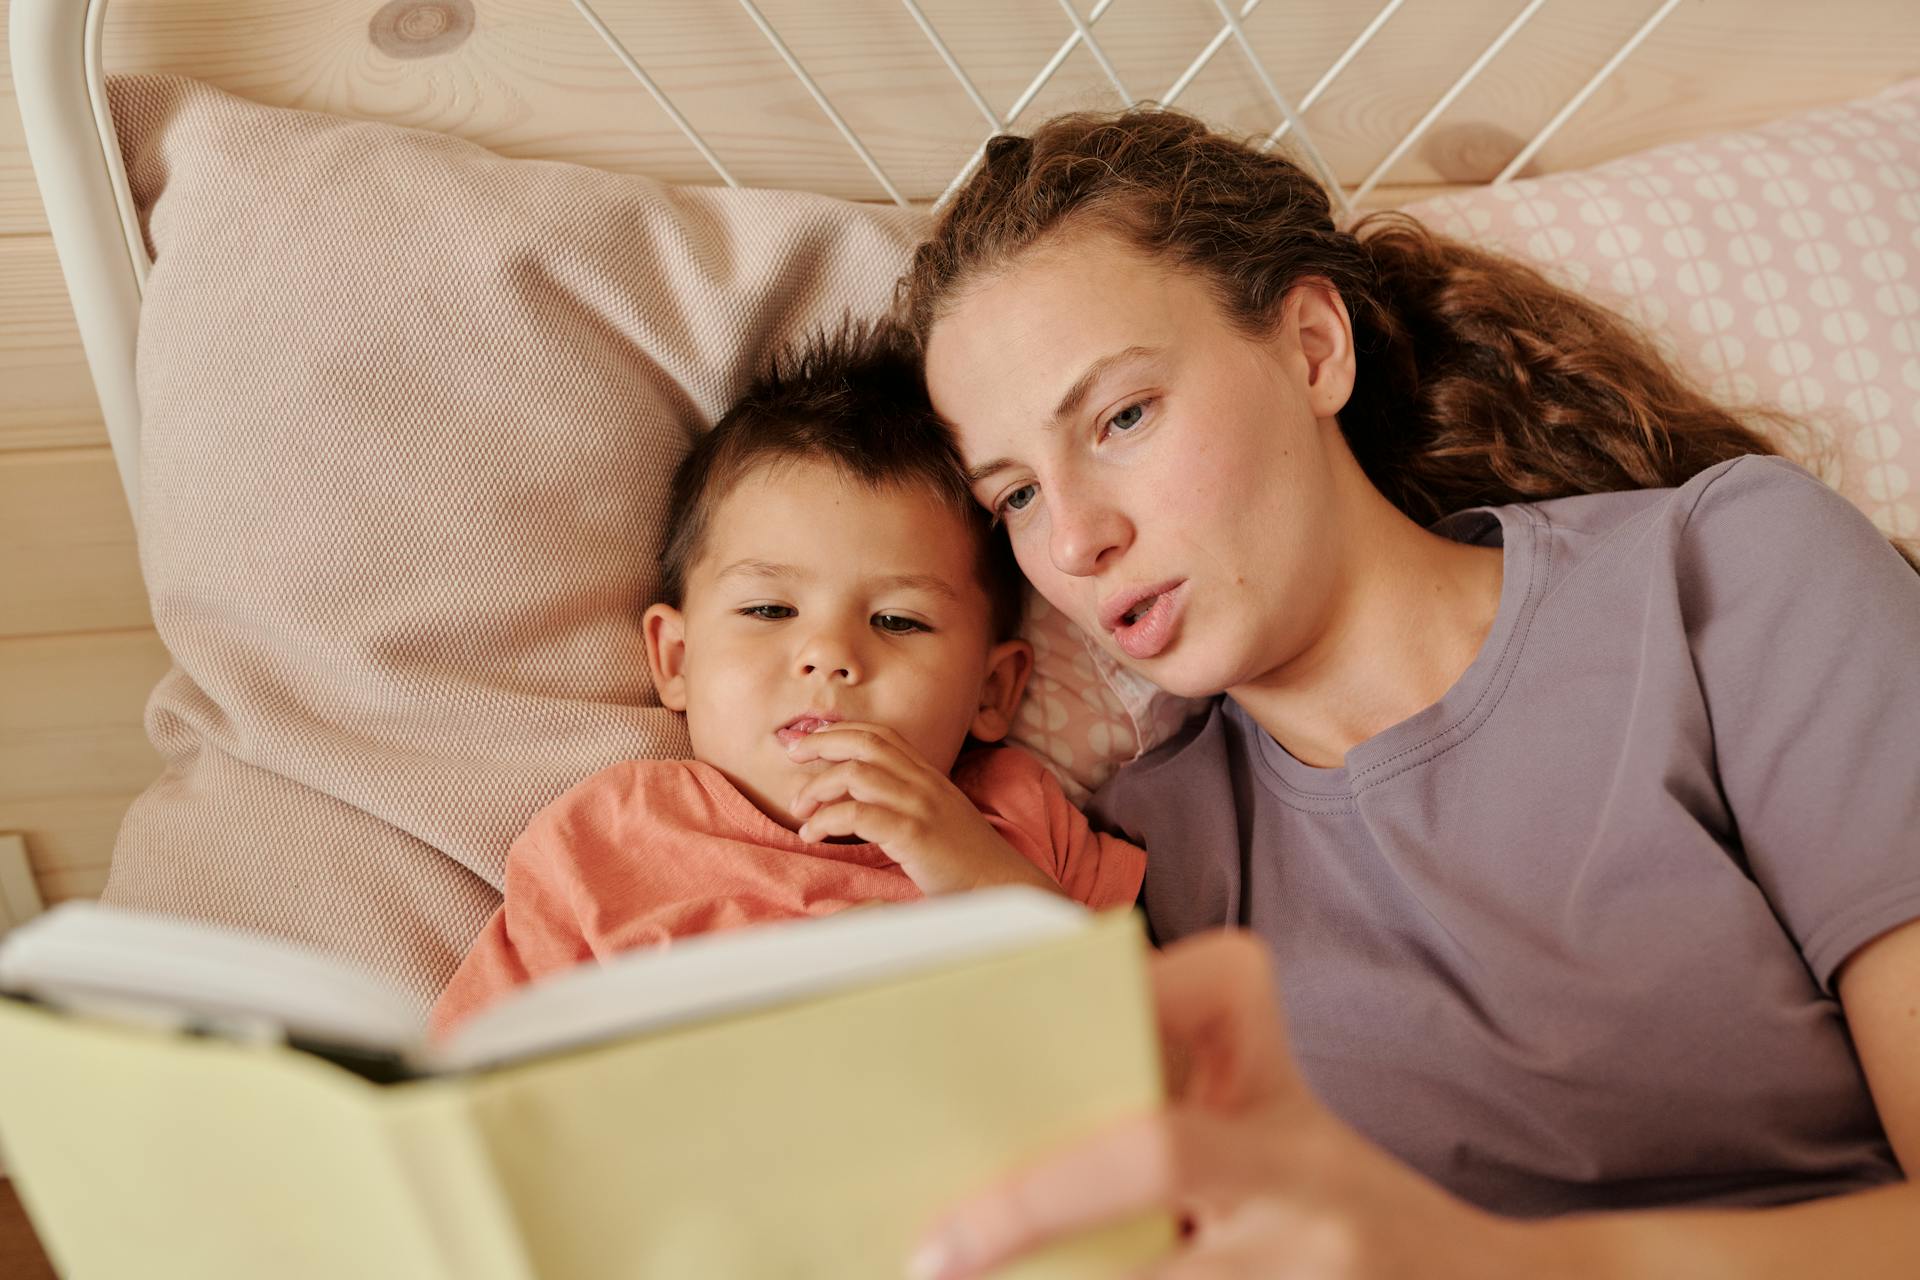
x,y
21,212
46,394
72,750
528,77
68,561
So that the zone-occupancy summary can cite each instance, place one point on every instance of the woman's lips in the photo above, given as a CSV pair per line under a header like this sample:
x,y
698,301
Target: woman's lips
x,y
1151,632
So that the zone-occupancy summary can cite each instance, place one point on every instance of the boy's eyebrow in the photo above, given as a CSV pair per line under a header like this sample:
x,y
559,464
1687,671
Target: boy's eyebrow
x,y
1069,403
932,583
759,569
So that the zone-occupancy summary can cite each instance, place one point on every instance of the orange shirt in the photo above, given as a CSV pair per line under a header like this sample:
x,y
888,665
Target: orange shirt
x,y
651,850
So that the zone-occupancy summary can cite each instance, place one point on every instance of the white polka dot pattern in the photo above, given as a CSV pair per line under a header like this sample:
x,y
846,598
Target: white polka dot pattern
x,y
1780,266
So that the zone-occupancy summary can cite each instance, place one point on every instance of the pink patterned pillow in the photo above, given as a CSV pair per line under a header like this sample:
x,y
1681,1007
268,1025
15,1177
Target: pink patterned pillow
x,y
1085,715
1780,266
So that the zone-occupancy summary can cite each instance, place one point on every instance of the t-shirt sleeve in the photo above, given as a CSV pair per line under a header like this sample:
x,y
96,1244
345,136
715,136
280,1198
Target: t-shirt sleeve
x,y
1027,806
535,931
1804,624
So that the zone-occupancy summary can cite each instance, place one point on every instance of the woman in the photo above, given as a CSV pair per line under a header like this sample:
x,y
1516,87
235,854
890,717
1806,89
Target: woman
x,y
1566,767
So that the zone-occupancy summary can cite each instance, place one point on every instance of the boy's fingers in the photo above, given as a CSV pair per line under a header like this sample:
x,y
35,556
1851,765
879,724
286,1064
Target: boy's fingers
x,y
856,780
873,823
856,740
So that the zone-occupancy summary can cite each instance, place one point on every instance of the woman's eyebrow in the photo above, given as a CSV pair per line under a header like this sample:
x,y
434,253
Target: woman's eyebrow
x,y
1069,403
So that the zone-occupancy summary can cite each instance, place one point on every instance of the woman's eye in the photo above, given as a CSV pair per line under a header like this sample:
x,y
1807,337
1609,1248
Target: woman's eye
x,y
1020,498
1128,418
769,612
897,625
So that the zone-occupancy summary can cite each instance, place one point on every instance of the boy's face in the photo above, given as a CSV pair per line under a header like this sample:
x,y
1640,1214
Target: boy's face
x,y
816,599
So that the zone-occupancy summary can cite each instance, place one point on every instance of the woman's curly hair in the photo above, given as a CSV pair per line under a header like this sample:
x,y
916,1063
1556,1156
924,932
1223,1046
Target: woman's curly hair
x,y
1479,381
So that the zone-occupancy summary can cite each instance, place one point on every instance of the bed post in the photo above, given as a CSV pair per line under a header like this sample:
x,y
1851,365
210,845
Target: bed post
x,y
63,109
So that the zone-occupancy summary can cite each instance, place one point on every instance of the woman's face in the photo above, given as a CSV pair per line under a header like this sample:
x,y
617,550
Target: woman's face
x,y
1171,484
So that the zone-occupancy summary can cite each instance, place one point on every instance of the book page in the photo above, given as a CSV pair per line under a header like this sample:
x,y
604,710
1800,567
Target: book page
x,y
731,972
163,971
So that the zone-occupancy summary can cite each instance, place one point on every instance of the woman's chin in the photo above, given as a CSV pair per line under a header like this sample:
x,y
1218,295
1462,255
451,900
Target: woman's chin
x,y
1184,675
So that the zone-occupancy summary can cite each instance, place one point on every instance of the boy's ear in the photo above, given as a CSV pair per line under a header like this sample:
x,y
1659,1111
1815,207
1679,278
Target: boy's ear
x,y
665,628
1009,664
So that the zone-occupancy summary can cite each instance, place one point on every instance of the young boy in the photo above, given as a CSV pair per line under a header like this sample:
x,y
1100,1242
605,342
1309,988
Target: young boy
x,y
837,622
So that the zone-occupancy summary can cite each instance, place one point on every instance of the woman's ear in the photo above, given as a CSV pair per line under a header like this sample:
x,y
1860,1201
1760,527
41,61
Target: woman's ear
x,y
1008,665
1316,321
665,628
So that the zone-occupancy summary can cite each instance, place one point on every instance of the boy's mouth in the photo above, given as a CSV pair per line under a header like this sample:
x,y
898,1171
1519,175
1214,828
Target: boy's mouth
x,y
805,723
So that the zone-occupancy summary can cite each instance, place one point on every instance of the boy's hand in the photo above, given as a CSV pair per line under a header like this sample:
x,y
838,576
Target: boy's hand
x,y
879,788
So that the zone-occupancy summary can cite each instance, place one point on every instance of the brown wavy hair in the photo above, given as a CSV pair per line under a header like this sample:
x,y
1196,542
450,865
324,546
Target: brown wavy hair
x,y
1480,381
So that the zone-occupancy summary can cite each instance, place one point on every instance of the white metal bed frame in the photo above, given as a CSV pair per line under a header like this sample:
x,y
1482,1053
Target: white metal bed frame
x,y
59,77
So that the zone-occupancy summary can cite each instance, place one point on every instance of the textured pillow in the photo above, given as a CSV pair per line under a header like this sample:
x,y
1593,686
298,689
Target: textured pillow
x,y
409,410
1780,266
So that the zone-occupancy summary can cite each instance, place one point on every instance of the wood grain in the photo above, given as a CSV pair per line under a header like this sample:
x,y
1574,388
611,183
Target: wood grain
x,y
67,556
46,393
70,717
21,212
532,79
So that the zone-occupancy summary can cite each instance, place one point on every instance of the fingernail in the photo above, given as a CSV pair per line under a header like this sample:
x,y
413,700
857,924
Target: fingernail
x,y
930,1261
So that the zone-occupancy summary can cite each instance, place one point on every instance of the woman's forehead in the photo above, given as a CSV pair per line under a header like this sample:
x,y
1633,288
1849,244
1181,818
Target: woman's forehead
x,y
1012,347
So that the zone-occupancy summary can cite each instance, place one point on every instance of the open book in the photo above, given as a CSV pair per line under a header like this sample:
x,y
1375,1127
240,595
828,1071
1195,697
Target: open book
x,y
795,1099
161,971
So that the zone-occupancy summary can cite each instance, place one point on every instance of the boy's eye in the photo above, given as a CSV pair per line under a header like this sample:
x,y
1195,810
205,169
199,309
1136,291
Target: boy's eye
x,y
769,612
1128,418
898,625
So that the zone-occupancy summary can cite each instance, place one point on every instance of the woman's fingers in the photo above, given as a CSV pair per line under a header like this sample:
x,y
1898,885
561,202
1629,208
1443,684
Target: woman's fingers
x,y
1221,1035
1116,1174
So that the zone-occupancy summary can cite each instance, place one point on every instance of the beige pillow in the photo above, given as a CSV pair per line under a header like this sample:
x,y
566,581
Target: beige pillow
x,y
409,410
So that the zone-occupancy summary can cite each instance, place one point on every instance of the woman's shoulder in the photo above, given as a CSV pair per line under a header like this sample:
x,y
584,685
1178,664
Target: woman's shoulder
x,y
1770,499
1756,518
1753,485
1766,526
1189,761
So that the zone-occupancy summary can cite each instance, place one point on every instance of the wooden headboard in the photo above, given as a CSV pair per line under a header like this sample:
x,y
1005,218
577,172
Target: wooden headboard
x,y
1403,117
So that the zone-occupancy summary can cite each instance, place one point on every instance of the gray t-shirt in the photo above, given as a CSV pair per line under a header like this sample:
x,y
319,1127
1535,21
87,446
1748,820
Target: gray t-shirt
x,y
1566,939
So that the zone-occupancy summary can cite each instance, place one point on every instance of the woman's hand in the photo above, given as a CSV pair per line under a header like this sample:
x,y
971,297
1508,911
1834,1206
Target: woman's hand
x,y
1264,1180
877,787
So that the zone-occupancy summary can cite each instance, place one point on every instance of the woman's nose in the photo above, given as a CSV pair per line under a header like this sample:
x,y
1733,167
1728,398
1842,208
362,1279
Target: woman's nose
x,y
1085,534
828,655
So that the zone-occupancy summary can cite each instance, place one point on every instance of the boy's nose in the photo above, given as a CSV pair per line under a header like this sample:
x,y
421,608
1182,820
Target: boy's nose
x,y
828,657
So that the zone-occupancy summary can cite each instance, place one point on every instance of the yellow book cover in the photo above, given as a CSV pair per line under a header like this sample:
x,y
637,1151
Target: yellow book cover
x,y
795,1103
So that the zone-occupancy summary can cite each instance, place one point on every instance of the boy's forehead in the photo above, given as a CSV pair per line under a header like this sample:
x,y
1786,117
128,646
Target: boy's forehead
x,y
808,519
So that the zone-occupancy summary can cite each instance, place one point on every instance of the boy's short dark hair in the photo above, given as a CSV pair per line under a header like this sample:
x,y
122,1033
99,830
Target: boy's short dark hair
x,y
853,398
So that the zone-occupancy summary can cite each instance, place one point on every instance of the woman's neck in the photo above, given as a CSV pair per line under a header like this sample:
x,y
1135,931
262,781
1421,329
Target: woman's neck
x,y
1411,613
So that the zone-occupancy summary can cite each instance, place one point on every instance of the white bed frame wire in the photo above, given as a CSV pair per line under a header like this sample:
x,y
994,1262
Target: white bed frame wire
x,y
60,84
1345,201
